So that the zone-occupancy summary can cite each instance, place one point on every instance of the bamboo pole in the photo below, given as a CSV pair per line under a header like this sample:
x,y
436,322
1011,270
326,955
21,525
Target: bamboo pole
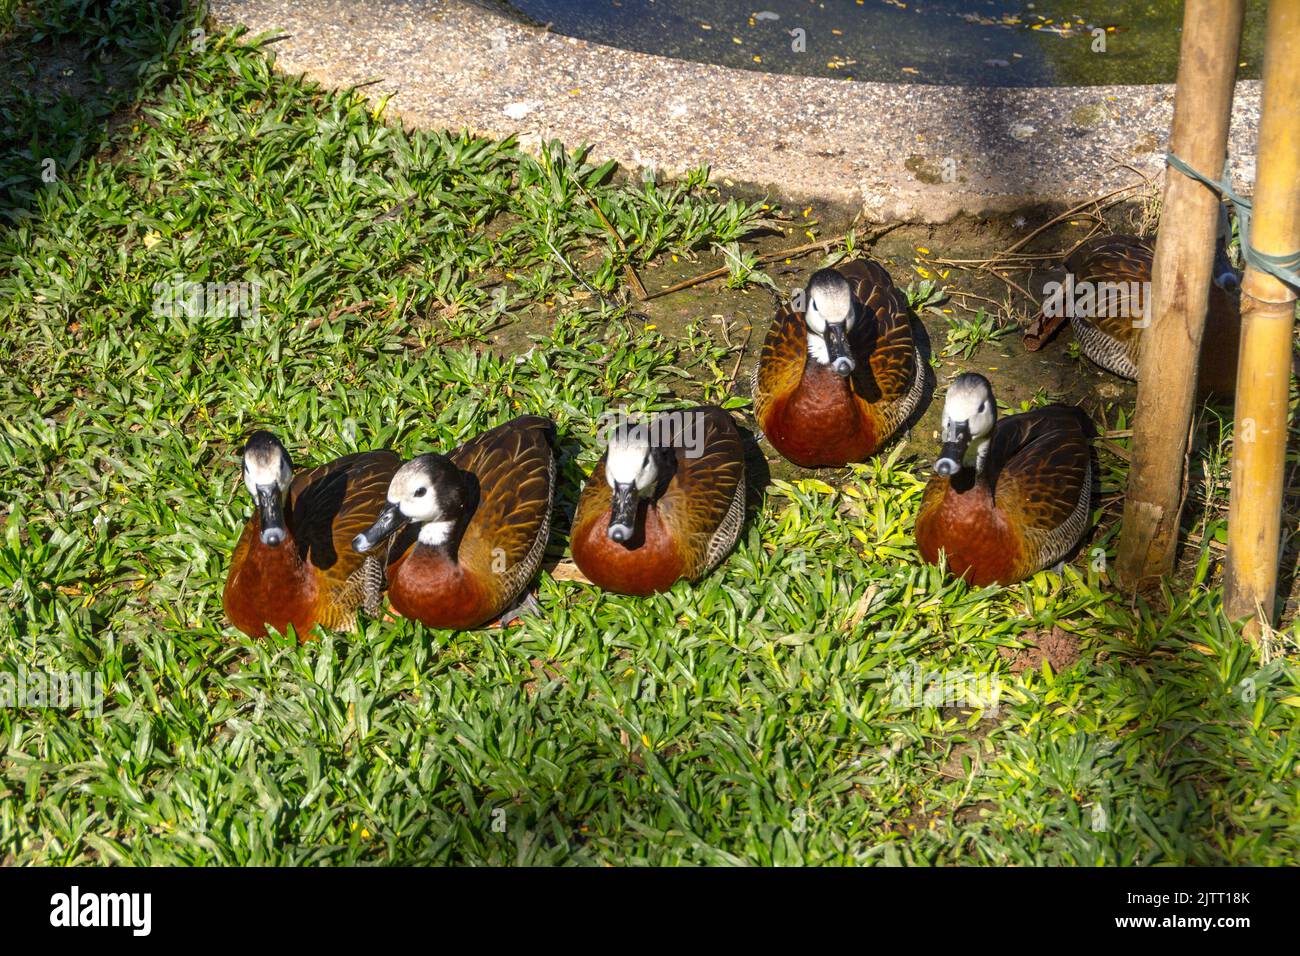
x,y
1184,258
1268,317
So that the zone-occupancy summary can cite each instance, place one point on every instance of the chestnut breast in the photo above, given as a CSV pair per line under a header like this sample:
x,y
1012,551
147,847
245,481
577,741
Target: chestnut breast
x,y
649,562
981,543
269,587
820,424
429,585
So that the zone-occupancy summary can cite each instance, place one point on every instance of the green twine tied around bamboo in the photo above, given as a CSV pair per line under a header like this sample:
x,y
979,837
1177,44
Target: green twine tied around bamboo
x,y
1287,267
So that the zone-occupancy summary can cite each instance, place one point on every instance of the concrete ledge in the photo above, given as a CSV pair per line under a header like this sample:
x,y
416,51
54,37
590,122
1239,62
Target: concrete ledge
x,y
887,149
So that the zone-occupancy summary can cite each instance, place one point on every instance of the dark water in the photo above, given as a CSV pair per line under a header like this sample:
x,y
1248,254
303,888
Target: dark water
x,y
959,42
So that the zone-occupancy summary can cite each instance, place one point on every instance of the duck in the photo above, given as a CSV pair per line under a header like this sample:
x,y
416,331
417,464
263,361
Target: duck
x,y
665,502
1008,497
1108,324
293,564
835,382
466,532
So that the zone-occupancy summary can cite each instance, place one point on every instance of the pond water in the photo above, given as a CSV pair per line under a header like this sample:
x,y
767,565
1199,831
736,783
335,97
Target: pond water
x,y
955,42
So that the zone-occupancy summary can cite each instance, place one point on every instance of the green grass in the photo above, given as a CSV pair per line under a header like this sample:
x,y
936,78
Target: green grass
x,y
750,718
966,336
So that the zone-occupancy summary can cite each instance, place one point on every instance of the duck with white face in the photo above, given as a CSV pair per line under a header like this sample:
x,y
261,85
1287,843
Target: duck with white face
x,y
840,373
292,565
969,415
428,491
1009,497
268,471
480,516
633,467
666,502
830,318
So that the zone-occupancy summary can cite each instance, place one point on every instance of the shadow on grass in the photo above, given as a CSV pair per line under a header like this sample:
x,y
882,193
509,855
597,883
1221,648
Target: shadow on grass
x,y
73,68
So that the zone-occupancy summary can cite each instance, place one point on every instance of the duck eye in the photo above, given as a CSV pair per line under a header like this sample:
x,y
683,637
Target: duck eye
x,y
983,405
419,492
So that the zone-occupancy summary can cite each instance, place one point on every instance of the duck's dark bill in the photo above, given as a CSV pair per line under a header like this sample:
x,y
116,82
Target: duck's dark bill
x,y
389,520
271,515
837,348
622,512
949,461
956,438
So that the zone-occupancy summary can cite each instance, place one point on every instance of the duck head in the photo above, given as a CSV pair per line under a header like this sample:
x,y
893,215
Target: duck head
x,y
633,469
969,414
268,471
428,491
830,318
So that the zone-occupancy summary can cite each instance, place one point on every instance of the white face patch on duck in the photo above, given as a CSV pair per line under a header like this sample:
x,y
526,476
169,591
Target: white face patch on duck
x,y
820,314
969,414
829,318
630,460
971,403
266,464
412,491
829,299
428,490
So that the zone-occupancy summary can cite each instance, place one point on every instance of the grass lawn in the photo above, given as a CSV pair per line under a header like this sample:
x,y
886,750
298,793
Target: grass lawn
x,y
754,718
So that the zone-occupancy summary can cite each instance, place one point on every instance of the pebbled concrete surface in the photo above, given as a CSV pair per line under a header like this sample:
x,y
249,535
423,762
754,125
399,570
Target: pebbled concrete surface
x,y
894,151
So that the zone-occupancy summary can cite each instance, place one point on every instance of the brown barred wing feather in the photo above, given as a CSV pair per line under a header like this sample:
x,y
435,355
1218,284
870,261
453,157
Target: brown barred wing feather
x,y
1119,257
1040,470
888,344
704,505
781,362
329,505
514,468
1116,269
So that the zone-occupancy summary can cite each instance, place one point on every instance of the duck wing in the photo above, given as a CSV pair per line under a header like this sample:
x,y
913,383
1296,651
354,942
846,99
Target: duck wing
x,y
704,503
329,505
1121,257
886,344
781,362
1115,266
513,466
1109,340
1039,468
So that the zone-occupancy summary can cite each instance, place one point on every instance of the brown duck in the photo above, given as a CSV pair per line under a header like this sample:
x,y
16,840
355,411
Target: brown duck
x,y
1109,277
294,563
665,502
1008,497
474,526
835,383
